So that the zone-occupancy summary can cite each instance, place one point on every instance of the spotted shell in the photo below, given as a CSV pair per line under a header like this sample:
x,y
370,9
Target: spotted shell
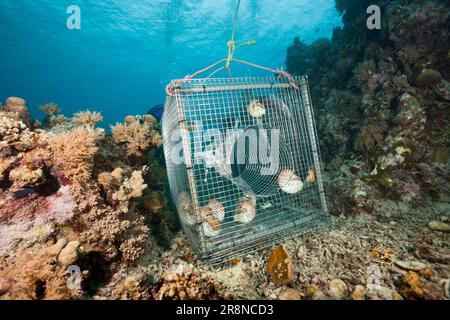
x,y
289,182
217,208
245,211
256,108
186,209
211,226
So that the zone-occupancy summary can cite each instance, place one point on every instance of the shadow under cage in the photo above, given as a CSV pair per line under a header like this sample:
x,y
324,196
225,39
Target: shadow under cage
x,y
243,163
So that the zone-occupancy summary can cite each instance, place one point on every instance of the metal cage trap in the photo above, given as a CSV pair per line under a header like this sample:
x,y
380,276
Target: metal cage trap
x,y
243,162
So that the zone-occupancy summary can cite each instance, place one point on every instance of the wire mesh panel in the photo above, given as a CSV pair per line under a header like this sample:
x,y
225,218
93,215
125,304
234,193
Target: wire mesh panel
x,y
243,163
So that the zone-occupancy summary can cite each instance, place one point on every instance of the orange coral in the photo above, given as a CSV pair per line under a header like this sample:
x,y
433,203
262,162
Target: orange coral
x,y
384,256
73,153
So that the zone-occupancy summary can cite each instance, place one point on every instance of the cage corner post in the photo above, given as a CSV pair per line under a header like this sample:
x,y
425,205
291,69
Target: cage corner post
x,y
306,97
189,171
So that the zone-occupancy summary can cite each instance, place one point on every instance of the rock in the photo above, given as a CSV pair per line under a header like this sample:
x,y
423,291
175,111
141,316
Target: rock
x,y
338,290
375,292
69,254
428,77
359,293
318,295
410,265
439,226
236,283
55,249
289,294
280,267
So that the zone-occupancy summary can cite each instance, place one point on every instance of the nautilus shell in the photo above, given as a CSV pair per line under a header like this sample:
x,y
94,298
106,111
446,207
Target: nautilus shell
x,y
217,209
186,209
211,226
250,197
245,211
289,182
311,178
256,108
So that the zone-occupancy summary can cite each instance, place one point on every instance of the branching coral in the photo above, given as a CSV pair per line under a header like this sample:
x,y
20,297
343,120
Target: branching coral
x,y
119,233
131,188
137,137
87,118
50,109
73,153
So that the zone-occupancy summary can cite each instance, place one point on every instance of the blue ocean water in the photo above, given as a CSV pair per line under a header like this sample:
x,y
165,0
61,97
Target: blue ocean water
x,y
126,51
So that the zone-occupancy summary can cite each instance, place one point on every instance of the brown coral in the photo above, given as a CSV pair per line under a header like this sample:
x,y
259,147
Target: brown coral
x,y
136,137
50,109
87,118
73,153
33,274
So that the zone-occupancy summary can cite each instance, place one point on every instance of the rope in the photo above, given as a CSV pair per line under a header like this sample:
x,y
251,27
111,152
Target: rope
x,y
280,72
231,44
231,50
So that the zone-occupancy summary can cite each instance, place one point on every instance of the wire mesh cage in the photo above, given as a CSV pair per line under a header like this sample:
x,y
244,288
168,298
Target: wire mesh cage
x,y
243,163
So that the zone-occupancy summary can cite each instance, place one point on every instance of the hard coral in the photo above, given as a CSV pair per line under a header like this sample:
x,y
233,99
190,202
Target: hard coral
x,y
23,177
131,187
183,283
16,134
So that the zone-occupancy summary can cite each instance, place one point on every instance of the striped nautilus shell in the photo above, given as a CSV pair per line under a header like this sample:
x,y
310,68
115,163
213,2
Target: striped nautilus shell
x,y
256,108
211,225
186,209
311,176
289,182
217,208
245,211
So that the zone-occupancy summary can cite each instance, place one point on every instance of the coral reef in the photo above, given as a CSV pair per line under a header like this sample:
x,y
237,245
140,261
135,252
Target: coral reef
x,y
62,204
379,98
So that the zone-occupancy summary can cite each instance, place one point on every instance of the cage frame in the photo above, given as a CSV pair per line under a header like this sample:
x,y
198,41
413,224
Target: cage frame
x,y
274,236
